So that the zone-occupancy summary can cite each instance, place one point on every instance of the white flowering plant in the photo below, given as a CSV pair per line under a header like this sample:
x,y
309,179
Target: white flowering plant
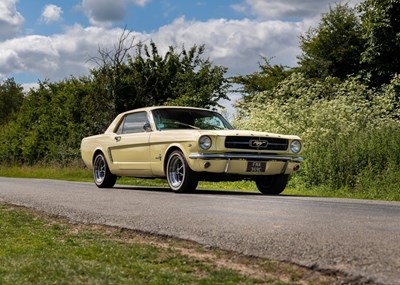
x,y
348,129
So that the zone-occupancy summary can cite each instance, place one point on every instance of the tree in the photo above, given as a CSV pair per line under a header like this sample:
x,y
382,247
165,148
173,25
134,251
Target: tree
x,y
267,78
147,78
11,98
197,82
49,125
381,32
334,47
110,76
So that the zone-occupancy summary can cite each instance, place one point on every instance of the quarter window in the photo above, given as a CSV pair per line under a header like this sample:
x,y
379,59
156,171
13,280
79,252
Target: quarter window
x,y
133,123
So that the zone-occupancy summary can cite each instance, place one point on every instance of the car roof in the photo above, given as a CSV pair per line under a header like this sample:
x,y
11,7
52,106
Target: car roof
x,y
164,107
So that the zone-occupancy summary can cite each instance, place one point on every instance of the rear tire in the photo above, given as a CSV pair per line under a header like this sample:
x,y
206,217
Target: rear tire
x,y
103,178
273,184
181,179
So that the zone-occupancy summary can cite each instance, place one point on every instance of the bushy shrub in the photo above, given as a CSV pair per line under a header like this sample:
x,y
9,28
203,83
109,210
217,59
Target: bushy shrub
x,y
346,127
48,127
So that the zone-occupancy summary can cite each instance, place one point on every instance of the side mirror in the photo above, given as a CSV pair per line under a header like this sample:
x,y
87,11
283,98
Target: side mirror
x,y
147,127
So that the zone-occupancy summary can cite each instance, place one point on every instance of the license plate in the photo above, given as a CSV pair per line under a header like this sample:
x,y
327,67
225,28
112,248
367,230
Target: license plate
x,y
256,166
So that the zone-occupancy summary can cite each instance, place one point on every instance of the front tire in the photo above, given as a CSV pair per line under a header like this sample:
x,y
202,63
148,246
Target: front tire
x,y
103,178
181,179
272,185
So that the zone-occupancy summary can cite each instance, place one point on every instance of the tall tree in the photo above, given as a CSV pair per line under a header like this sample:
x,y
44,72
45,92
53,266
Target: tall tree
x,y
11,98
197,81
109,76
381,32
267,78
334,47
131,80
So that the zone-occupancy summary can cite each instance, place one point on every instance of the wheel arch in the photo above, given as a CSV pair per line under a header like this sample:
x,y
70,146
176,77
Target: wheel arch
x,y
167,154
106,155
96,152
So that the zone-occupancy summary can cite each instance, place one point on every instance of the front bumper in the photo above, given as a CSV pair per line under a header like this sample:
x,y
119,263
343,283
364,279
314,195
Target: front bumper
x,y
235,163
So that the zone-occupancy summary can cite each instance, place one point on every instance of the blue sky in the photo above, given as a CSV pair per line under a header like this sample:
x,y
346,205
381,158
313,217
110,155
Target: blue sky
x,y
146,18
53,39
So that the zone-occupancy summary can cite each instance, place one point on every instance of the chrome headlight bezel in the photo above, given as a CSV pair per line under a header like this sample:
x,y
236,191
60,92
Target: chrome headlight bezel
x,y
205,142
295,146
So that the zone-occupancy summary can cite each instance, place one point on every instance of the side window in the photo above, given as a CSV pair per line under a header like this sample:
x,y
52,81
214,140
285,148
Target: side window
x,y
133,123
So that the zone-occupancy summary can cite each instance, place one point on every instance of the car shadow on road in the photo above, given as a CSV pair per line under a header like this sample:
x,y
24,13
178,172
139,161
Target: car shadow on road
x,y
196,192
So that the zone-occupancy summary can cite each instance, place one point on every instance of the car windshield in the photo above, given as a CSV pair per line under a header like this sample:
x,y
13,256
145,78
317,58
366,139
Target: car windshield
x,y
171,118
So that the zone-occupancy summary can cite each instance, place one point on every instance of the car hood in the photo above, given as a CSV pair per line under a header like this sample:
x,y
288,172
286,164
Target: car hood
x,y
247,133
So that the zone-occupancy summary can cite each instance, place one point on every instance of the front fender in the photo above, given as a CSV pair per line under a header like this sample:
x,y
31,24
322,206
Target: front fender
x,y
186,148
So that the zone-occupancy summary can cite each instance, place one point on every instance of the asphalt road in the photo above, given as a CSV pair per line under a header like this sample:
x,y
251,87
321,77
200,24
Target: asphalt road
x,y
356,237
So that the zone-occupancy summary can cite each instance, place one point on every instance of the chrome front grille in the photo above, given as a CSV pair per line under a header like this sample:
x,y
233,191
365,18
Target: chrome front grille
x,y
256,143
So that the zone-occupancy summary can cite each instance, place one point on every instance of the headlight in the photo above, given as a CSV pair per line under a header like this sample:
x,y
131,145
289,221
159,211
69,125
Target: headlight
x,y
295,146
205,142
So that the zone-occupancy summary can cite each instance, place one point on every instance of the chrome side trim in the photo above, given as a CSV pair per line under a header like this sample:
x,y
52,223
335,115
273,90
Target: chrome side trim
x,y
245,156
110,155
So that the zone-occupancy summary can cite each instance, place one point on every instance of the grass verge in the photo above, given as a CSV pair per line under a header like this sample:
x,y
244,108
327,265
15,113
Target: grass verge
x,y
378,188
38,249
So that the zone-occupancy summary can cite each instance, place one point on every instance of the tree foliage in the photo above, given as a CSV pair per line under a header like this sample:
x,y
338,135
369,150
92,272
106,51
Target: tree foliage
x,y
334,47
11,97
362,41
267,78
381,32
49,125
148,78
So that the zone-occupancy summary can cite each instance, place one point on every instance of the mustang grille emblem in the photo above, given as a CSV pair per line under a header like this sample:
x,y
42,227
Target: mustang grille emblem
x,y
258,143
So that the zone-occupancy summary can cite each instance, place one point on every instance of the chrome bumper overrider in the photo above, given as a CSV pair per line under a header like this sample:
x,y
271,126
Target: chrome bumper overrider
x,y
246,156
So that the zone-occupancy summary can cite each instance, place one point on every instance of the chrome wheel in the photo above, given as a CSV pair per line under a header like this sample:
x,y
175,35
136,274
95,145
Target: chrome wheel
x,y
176,171
179,175
103,178
99,169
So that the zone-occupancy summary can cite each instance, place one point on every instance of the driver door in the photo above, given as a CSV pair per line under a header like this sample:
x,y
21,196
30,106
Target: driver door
x,y
131,150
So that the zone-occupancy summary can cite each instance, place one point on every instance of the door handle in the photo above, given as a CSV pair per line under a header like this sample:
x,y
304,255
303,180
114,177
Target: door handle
x,y
117,138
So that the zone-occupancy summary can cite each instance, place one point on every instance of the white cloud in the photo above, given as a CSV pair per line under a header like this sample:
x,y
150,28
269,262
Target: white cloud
x,y
55,57
34,54
140,2
104,12
237,44
51,13
286,9
11,20
28,86
241,8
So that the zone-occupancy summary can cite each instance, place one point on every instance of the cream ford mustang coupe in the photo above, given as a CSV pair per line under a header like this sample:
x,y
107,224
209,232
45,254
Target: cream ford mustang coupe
x,y
186,145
